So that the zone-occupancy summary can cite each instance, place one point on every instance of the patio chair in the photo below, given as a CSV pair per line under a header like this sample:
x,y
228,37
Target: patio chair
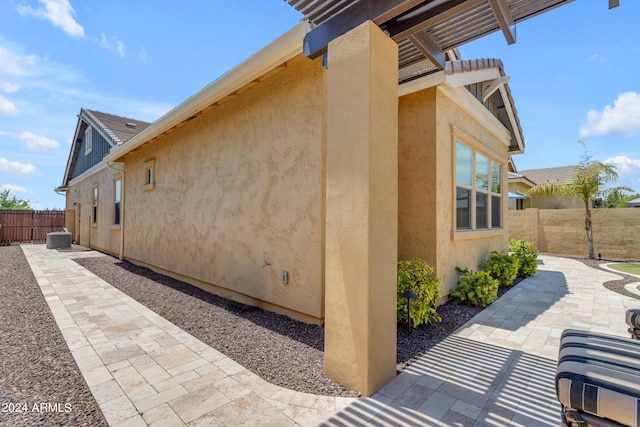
x,y
598,377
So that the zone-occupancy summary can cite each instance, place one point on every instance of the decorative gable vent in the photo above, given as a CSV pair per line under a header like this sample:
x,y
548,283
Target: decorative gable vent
x,y
88,143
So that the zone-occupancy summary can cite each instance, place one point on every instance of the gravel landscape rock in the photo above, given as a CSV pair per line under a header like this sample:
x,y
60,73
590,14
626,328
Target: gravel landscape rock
x,y
40,383
37,367
279,349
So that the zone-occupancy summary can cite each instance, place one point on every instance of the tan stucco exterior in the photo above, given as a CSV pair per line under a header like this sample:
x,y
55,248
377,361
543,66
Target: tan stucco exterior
x,y
327,175
429,122
361,214
238,196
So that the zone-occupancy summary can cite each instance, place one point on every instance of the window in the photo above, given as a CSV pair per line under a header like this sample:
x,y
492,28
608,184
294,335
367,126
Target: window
x,y
117,194
94,212
149,176
88,143
478,190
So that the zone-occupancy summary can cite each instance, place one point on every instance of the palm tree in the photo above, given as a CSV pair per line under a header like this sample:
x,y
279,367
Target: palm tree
x,y
615,197
585,184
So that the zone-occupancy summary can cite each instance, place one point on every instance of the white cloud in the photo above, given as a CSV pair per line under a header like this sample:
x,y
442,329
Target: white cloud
x,y
112,44
13,63
596,57
10,87
16,168
38,142
58,12
623,118
624,164
7,107
143,54
12,188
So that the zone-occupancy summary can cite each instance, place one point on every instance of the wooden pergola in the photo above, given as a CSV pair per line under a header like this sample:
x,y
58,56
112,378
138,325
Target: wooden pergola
x,y
424,29
369,47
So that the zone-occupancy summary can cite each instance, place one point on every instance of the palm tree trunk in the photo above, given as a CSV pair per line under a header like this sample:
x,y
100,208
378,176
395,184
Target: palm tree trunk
x,y
588,229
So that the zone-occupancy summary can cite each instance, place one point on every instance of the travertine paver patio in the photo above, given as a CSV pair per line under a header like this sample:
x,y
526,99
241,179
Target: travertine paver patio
x,y
497,370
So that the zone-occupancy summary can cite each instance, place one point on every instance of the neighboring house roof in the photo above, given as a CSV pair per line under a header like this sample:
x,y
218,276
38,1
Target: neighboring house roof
x,y
560,175
633,203
116,130
519,177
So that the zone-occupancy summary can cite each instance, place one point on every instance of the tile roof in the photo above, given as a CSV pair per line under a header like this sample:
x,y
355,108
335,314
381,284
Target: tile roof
x,y
119,129
561,174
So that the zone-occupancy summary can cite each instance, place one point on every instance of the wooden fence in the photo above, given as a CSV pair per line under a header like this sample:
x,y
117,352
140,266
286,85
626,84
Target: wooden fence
x,y
28,226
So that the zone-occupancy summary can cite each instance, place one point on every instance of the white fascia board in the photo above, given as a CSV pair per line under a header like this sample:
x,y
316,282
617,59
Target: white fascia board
x,y
425,82
463,78
512,118
466,101
281,50
67,170
88,173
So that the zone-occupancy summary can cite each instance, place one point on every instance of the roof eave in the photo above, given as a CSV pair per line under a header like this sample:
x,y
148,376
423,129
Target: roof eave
x,y
281,50
467,77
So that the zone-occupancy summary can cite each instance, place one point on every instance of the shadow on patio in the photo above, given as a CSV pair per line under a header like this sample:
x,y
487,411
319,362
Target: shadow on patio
x,y
462,382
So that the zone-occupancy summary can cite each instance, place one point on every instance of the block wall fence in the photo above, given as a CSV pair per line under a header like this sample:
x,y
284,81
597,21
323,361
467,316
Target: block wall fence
x,y
616,232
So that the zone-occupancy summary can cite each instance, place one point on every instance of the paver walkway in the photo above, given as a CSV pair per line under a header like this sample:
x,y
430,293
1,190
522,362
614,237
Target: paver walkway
x,y
497,370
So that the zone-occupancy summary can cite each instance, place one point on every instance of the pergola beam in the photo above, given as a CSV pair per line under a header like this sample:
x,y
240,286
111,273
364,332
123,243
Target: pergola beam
x,y
614,3
421,18
379,11
505,20
423,41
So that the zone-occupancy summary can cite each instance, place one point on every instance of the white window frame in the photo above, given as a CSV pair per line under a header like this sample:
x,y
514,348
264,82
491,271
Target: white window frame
x,y
88,141
117,202
473,231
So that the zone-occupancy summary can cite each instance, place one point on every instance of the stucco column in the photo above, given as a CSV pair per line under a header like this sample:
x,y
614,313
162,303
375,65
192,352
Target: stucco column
x,y
361,209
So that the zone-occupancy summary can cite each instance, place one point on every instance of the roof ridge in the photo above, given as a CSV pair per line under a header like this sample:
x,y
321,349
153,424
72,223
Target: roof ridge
x,y
106,130
115,115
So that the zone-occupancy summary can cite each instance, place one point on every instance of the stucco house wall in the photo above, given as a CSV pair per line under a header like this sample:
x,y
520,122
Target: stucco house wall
x,y
427,121
239,184
238,196
103,234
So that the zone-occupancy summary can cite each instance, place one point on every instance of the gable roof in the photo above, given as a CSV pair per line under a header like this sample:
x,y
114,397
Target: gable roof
x,y
486,80
561,175
519,177
116,130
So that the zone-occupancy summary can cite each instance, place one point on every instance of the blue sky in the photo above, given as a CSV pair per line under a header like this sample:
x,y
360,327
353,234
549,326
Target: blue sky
x,y
573,75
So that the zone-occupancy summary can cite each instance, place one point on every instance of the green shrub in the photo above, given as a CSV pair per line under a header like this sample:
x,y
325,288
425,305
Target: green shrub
x,y
479,288
502,266
527,255
418,277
